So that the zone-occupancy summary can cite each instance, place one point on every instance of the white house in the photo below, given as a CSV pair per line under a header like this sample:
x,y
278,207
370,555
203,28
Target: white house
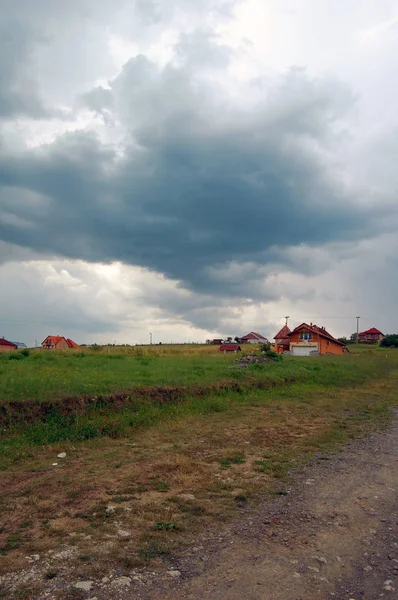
x,y
253,338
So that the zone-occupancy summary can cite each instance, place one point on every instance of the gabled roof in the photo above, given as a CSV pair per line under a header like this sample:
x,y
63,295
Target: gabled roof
x,y
229,347
284,332
253,336
315,329
55,339
4,342
71,343
372,330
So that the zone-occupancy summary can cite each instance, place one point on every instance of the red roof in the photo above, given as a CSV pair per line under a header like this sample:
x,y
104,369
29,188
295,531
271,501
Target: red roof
x,y
55,339
229,347
319,330
372,330
4,342
253,336
284,332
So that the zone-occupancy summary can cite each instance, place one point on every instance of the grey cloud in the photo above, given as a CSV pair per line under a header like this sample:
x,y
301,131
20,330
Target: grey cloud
x,y
202,184
18,88
99,100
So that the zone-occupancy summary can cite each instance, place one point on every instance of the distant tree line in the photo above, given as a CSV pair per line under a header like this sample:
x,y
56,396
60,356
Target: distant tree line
x,y
389,341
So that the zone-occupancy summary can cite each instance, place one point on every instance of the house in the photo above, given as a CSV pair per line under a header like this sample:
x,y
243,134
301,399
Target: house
x,y
58,342
371,335
229,348
216,341
306,340
7,346
20,344
282,340
253,338
72,344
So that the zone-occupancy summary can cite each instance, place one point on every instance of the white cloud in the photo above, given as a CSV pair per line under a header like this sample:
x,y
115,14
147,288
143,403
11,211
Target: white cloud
x,y
380,29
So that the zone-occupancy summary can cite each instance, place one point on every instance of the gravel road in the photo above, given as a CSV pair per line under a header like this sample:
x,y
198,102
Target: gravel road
x,y
334,536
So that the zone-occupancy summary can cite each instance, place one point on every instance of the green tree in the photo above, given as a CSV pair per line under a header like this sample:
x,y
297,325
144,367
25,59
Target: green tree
x,y
390,341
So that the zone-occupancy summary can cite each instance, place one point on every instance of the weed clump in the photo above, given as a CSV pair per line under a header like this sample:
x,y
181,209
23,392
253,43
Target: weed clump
x,y
166,526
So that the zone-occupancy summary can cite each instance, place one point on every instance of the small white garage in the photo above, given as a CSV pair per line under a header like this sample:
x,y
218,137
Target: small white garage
x,y
303,350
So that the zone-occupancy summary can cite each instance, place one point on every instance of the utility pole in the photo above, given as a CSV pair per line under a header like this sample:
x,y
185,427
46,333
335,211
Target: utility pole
x,y
357,318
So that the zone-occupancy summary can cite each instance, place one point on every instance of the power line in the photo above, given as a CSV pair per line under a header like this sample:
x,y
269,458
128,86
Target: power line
x,y
353,317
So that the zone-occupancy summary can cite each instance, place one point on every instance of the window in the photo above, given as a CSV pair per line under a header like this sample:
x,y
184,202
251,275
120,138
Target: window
x,y
305,336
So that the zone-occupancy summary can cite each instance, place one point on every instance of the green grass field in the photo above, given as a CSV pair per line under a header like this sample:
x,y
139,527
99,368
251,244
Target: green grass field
x,y
49,375
75,396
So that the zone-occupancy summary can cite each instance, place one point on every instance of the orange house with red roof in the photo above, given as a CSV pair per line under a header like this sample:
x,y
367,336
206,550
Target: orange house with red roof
x,y
58,342
307,340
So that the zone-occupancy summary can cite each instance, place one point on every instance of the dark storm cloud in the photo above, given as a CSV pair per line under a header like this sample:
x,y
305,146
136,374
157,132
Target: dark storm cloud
x,y
201,183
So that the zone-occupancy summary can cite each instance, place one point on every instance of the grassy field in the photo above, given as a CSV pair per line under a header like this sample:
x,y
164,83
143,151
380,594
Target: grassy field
x,y
47,375
168,470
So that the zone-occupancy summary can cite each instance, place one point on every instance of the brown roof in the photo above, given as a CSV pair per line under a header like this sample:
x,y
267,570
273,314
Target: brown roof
x,y
282,333
229,347
319,330
253,336
4,342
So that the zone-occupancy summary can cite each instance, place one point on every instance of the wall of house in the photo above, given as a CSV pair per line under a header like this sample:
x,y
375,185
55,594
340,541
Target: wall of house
x,y
295,338
62,345
370,338
47,344
4,348
323,346
330,347
278,347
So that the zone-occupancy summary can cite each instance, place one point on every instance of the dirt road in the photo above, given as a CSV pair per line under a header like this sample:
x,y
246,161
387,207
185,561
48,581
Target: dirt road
x,y
333,536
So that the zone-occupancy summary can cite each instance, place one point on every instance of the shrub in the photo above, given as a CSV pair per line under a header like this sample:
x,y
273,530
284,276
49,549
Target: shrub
x,y
273,355
17,356
265,347
25,352
390,341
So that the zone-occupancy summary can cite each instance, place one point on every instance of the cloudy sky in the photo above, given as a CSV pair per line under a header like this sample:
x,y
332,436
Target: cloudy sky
x,y
193,168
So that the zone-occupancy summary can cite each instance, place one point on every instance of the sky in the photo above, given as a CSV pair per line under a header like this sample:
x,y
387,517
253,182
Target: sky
x,y
197,168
